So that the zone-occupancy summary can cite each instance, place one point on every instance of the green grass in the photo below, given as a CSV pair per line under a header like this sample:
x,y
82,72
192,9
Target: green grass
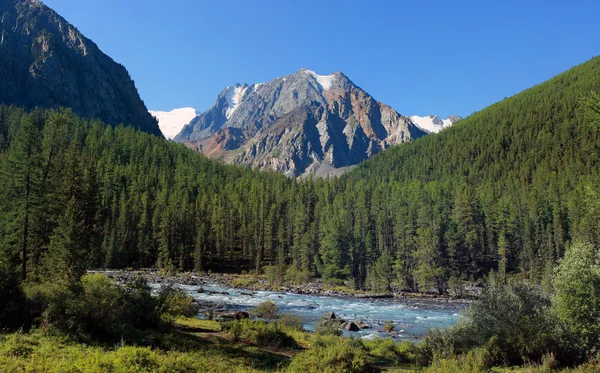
x,y
206,346
37,352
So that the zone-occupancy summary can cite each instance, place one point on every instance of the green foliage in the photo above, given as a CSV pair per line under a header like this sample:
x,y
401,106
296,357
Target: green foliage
x,y
39,352
397,352
266,310
474,361
291,321
512,324
329,328
261,333
577,284
271,273
175,302
332,355
95,307
296,276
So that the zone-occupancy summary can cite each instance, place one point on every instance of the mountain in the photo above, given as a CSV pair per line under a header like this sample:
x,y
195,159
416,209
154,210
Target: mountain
x,y
171,122
433,123
303,123
46,62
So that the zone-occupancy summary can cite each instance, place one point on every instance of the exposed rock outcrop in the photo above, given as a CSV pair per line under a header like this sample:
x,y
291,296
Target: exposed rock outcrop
x,y
300,124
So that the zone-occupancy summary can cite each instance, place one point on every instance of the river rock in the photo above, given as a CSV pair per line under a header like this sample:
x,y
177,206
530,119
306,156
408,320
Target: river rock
x,y
350,326
329,316
362,325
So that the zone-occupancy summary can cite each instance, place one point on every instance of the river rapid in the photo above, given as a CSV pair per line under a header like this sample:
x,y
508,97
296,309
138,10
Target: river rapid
x,y
411,318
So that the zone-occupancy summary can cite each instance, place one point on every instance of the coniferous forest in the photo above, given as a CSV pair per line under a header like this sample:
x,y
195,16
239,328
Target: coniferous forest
x,y
506,190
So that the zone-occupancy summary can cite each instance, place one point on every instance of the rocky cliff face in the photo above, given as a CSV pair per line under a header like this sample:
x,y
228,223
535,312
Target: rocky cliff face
x,y
298,124
45,62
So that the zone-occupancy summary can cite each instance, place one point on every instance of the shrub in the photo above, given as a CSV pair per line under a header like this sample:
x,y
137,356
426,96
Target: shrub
x,y
175,302
272,274
388,327
261,333
402,352
94,307
577,299
291,321
329,327
296,276
512,323
142,308
266,310
473,361
332,355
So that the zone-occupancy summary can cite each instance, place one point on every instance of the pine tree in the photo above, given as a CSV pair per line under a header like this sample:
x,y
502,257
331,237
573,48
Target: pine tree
x,y
24,168
68,250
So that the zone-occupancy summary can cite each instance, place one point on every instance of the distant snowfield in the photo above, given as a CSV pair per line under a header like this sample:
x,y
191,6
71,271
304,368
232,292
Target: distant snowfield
x,y
172,122
431,123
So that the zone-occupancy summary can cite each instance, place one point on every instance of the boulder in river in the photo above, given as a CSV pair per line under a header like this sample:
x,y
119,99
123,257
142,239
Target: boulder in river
x,y
329,316
350,326
362,325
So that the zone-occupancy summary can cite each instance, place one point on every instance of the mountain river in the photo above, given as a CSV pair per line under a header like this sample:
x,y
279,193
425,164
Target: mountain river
x,y
411,318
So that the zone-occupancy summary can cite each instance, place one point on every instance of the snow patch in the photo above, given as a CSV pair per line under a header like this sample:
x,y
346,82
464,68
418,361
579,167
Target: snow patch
x,y
431,123
257,86
172,122
325,81
234,96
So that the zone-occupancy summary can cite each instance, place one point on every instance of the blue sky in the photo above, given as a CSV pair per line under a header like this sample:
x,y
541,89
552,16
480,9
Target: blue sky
x,y
420,57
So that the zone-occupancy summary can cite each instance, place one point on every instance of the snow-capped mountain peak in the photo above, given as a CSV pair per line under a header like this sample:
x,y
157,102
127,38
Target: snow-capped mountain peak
x,y
433,123
171,122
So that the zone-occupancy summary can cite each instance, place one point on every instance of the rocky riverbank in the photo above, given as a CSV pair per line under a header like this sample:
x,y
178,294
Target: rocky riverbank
x,y
259,283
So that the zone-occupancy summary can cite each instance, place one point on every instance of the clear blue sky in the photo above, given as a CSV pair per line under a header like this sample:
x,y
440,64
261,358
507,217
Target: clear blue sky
x,y
420,57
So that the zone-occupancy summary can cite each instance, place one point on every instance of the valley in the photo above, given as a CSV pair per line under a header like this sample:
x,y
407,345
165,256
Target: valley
x,y
298,224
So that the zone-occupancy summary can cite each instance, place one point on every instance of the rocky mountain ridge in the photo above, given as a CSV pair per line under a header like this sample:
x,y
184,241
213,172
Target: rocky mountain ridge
x,y
46,62
299,124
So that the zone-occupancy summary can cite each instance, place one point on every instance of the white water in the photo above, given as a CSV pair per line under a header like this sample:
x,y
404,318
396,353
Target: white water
x,y
413,317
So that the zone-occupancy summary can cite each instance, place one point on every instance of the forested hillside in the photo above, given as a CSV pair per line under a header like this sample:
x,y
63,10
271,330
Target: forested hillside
x,y
506,189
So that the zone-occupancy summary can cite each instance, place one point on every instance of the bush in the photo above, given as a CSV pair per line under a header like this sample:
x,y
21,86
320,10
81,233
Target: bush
x,y
261,333
577,299
266,310
175,302
296,276
272,273
399,353
332,355
388,327
142,310
329,327
291,321
513,324
474,361
94,307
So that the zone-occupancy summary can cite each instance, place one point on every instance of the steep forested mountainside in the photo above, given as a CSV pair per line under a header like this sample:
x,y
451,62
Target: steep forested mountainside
x,y
303,123
46,62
